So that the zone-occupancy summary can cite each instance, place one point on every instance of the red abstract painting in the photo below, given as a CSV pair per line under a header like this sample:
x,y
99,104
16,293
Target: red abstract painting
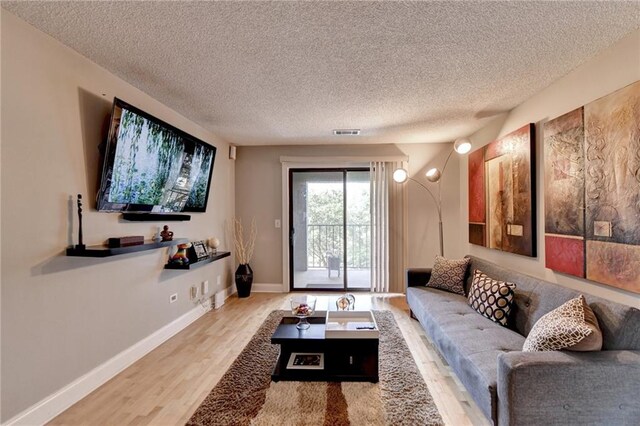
x,y
502,193
565,254
477,205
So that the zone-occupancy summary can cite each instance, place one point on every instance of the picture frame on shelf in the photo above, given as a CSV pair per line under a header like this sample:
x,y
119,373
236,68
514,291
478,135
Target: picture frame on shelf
x,y
199,250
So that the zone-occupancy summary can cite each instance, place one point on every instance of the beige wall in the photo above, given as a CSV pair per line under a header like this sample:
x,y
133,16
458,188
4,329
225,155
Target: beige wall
x,y
613,69
423,217
259,195
64,316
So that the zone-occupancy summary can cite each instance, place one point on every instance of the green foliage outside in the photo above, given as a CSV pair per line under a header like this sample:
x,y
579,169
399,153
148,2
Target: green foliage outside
x,y
325,220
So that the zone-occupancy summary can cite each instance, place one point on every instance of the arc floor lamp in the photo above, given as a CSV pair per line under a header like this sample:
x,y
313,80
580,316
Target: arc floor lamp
x,y
434,175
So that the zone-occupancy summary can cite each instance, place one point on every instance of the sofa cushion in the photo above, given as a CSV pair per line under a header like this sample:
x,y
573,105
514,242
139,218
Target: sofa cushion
x,y
564,328
491,298
449,274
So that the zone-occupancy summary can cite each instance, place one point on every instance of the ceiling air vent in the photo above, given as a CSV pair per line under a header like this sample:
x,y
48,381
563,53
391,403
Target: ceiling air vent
x,y
346,132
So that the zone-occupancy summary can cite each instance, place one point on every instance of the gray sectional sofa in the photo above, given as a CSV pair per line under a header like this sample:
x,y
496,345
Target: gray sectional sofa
x,y
533,388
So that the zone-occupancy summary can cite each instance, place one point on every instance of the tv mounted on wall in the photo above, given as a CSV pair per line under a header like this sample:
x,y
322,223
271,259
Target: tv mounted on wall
x,y
153,167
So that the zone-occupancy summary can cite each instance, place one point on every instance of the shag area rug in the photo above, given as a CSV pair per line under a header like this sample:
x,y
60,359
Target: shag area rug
x,y
246,395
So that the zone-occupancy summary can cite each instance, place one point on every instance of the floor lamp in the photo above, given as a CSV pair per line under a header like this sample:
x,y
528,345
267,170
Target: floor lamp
x,y
434,175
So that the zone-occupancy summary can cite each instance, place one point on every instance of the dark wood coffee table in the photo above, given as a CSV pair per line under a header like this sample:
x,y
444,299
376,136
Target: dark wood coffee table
x,y
352,359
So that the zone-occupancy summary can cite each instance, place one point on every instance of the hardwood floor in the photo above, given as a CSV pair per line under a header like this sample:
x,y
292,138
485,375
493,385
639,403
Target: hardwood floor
x,y
166,386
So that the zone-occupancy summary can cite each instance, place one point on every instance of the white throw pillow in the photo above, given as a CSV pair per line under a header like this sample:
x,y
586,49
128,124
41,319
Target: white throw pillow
x,y
571,326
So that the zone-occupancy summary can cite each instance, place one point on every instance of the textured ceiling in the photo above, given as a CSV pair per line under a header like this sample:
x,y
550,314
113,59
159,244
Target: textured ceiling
x,y
258,73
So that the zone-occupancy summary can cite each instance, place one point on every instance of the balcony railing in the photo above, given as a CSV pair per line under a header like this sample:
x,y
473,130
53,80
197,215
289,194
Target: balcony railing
x,y
324,241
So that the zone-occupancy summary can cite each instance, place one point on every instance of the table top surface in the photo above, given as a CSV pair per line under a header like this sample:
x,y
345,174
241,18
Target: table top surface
x,y
288,332
287,329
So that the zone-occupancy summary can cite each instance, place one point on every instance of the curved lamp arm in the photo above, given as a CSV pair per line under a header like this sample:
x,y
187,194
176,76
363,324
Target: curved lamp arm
x,y
438,204
461,146
435,200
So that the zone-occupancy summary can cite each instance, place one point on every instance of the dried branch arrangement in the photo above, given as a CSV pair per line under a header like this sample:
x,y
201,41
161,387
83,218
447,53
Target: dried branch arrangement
x,y
244,248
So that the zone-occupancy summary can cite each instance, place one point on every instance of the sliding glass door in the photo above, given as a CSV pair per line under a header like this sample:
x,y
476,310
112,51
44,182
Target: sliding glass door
x,y
330,229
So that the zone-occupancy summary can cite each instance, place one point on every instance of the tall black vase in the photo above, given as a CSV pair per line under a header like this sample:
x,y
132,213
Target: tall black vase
x,y
244,279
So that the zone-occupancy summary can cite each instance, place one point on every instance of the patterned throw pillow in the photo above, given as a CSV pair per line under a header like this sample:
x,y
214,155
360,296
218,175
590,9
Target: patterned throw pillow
x,y
491,298
448,274
569,326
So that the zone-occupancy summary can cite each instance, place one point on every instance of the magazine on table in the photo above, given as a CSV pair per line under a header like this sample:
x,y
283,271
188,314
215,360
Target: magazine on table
x,y
306,361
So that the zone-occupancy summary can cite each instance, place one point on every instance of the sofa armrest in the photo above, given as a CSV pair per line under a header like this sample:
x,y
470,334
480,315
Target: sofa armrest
x,y
569,388
418,276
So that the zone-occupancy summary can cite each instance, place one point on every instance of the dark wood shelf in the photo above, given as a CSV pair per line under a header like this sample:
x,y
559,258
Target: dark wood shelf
x,y
106,251
211,258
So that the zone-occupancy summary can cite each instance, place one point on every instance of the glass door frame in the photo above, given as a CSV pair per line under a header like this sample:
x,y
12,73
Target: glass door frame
x,y
344,171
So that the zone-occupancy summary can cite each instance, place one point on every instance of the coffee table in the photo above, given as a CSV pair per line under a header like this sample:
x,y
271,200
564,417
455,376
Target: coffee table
x,y
346,359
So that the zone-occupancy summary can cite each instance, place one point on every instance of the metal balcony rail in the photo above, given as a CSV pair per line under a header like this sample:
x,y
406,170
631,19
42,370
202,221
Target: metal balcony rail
x,y
325,241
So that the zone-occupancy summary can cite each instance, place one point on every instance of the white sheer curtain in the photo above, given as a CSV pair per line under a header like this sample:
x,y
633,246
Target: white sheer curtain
x,y
389,227
379,227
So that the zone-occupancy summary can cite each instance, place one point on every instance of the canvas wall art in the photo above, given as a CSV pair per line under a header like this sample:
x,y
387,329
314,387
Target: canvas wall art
x,y
564,193
477,209
592,190
502,195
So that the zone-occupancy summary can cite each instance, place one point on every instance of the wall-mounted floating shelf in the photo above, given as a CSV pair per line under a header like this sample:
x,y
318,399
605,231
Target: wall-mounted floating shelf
x,y
105,251
213,257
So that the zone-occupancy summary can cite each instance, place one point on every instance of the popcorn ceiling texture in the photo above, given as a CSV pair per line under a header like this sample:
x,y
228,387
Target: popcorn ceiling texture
x,y
290,72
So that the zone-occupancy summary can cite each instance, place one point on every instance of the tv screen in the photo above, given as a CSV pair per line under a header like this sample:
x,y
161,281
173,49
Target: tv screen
x,y
151,166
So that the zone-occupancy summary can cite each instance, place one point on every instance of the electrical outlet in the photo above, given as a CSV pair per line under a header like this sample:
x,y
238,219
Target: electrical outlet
x,y
194,292
278,223
219,280
205,287
173,297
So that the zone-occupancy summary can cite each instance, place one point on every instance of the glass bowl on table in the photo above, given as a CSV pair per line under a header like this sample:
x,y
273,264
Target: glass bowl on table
x,y
303,307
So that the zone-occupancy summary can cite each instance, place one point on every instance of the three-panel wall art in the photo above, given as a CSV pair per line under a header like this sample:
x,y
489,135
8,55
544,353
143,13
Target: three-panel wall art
x,y
591,191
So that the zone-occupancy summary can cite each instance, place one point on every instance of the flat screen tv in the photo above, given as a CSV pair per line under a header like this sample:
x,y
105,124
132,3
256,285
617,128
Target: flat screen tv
x,y
152,167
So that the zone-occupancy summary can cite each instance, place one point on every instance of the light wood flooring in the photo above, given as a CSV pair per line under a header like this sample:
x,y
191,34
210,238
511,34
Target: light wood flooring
x,y
166,386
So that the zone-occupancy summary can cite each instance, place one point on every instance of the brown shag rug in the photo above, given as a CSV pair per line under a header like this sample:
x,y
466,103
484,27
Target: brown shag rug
x,y
245,394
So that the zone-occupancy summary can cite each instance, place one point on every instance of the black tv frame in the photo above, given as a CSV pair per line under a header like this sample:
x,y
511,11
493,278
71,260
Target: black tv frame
x,y
107,168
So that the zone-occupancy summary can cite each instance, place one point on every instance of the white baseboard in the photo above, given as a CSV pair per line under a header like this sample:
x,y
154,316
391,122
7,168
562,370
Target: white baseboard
x,y
45,410
266,288
221,296
230,291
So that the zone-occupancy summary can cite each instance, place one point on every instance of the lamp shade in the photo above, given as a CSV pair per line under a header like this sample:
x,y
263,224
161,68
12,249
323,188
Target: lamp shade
x,y
400,175
462,145
433,175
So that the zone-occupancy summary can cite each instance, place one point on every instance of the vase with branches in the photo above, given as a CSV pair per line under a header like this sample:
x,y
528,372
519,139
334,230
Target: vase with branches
x,y
244,252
